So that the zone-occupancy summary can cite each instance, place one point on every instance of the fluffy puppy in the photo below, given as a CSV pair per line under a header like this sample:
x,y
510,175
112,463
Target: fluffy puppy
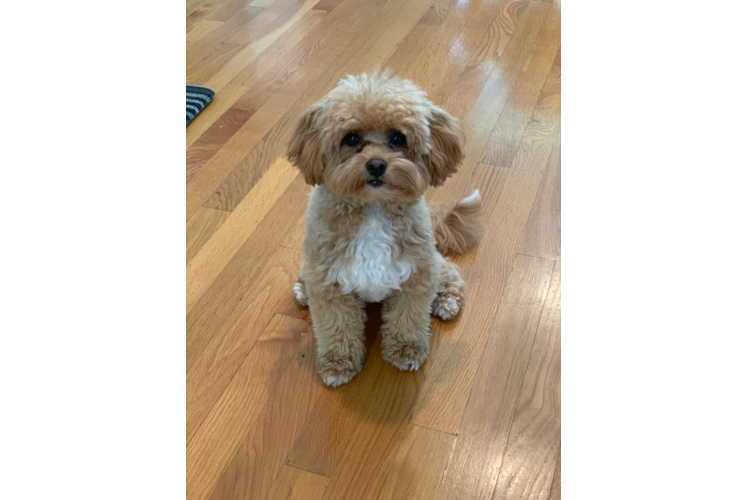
x,y
372,147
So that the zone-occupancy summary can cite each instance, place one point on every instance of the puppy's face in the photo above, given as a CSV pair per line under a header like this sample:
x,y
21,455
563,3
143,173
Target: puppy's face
x,y
376,137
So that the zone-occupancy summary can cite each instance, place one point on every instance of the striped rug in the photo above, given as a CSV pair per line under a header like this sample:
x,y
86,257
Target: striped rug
x,y
197,98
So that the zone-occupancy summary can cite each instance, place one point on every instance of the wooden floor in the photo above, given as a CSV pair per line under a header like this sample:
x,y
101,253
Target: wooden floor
x,y
481,418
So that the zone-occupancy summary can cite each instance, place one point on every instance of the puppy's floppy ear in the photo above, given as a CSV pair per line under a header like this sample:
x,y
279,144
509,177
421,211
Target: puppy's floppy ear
x,y
446,146
304,148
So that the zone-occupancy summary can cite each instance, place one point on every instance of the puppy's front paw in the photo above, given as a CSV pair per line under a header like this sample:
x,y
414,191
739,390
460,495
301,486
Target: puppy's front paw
x,y
337,370
445,307
408,355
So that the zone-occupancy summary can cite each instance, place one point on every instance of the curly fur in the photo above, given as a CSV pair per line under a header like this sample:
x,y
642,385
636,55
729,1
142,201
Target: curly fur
x,y
372,239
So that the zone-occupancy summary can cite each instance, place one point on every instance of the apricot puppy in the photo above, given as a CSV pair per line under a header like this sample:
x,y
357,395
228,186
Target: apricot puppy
x,y
371,148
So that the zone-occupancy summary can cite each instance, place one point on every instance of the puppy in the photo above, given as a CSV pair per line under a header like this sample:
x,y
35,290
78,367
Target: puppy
x,y
372,147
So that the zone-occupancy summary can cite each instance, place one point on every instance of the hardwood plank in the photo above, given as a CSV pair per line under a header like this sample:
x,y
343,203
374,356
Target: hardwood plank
x,y
529,462
485,110
437,13
252,470
465,54
485,271
216,48
226,241
249,52
507,133
221,103
211,448
297,484
543,228
193,5
468,43
211,370
371,449
329,427
417,469
556,486
261,3
198,30
232,8
200,64
214,138
473,467
296,238
221,311
490,28
289,42
327,5
470,83
360,14
205,181
553,83
421,56
275,15
201,227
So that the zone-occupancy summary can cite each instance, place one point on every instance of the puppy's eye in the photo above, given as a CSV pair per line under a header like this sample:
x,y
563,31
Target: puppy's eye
x,y
352,139
397,139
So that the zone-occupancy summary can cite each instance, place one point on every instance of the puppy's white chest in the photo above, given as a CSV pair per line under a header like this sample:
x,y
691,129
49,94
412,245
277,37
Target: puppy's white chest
x,y
372,265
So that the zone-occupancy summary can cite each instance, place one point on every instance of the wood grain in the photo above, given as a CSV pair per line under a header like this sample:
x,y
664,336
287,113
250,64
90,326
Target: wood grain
x,y
329,427
507,133
207,179
215,48
229,10
288,43
444,395
273,16
556,486
227,238
502,18
296,238
437,12
223,308
366,460
482,436
201,227
214,138
297,484
249,52
241,401
252,470
327,5
529,462
211,368
417,468
543,228
261,3
491,102
198,29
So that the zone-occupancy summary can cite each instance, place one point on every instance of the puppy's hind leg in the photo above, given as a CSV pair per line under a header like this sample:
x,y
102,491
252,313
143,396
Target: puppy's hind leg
x,y
450,295
299,287
299,291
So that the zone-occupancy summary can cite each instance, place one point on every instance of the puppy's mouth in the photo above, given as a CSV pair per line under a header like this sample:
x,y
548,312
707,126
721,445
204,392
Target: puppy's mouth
x,y
375,183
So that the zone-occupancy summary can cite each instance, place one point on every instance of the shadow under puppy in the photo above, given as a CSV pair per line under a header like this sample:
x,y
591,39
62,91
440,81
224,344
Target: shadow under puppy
x,y
372,147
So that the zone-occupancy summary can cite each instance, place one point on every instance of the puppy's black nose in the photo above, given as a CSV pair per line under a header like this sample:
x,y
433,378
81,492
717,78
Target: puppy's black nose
x,y
376,167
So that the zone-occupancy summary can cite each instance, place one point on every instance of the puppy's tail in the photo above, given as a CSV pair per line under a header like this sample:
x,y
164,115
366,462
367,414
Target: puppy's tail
x,y
456,225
